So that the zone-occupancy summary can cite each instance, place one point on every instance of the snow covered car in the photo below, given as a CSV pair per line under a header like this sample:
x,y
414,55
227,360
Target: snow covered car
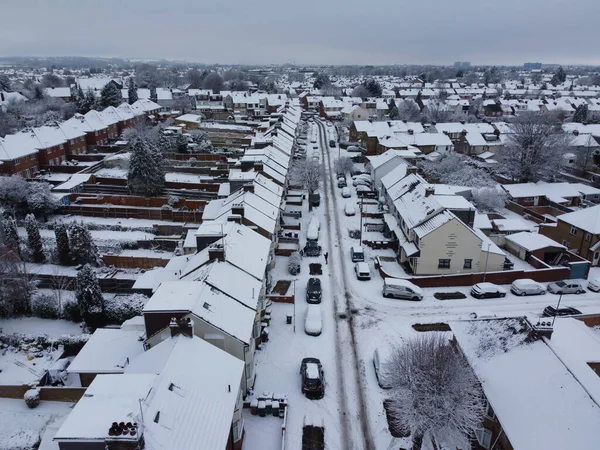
x,y
487,290
594,285
551,311
565,287
381,357
342,183
313,378
312,249
525,286
349,209
346,192
313,323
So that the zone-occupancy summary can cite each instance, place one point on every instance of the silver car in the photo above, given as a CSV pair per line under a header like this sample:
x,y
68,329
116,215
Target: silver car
x,y
566,287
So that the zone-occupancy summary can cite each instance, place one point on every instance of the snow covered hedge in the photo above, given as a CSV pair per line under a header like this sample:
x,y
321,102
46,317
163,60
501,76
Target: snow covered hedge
x,y
71,342
294,263
120,308
45,306
32,398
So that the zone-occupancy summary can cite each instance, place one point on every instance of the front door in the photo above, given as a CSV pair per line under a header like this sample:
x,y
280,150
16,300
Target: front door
x,y
596,258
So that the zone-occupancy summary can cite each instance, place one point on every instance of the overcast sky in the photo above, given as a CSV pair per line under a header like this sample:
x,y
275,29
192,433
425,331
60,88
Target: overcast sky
x,y
306,31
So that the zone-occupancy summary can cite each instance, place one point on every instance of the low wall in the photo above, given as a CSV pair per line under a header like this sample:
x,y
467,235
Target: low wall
x,y
281,298
61,394
134,262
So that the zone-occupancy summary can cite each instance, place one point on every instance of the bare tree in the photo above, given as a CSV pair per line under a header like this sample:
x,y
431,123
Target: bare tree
x,y
307,173
408,110
343,165
534,148
438,111
435,393
60,283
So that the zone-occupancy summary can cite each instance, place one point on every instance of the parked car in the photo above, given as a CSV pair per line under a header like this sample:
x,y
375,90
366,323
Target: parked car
x,y
332,143
365,193
551,311
527,286
313,290
313,140
381,356
315,199
566,287
312,249
346,192
487,290
342,183
362,182
594,285
402,289
349,209
354,149
313,324
357,254
362,271
313,378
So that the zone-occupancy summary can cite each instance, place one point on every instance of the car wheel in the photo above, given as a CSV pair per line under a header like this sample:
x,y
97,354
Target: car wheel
x,y
522,294
580,291
387,295
415,299
503,295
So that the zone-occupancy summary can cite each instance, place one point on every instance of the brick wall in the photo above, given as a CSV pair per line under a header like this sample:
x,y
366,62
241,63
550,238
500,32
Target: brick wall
x,y
134,262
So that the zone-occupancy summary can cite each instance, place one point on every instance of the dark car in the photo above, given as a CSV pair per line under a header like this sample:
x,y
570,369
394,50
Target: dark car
x,y
312,249
313,385
313,290
551,311
315,199
332,143
342,183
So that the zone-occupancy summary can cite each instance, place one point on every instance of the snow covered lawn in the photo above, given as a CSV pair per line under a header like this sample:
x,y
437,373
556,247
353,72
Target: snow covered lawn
x,y
21,428
35,326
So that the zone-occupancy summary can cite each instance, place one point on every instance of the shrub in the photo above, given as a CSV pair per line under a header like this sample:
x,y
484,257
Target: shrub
x,y
32,397
123,307
71,311
294,263
45,306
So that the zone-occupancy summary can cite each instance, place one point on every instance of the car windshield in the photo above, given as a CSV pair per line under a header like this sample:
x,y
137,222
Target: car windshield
x,y
561,283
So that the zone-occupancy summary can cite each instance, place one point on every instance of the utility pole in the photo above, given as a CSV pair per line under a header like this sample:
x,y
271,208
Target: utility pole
x,y
557,306
487,255
360,208
294,305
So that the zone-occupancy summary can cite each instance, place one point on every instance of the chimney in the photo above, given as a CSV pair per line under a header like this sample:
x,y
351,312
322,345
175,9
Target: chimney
x,y
544,328
462,122
404,121
411,131
216,252
249,187
497,132
464,132
238,208
411,169
183,325
576,132
124,436
429,190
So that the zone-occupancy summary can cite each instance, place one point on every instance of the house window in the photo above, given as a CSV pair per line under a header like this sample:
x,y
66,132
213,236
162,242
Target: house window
x,y
484,437
18,161
444,264
27,173
51,162
238,427
565,243
588,237
489,412
468,263
529,199
573,231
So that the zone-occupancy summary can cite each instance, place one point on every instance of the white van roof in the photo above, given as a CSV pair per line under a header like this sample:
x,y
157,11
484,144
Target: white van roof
x,y
362,267
357,249
402,283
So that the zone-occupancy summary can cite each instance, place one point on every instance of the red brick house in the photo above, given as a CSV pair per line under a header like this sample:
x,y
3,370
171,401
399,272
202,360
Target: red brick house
x,y
18,155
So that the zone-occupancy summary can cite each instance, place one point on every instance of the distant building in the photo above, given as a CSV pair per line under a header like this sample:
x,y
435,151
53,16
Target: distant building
x,y
462,64
532,66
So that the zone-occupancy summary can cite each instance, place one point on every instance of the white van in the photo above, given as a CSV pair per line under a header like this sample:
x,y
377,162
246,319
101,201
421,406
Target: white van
x,y
403,289
362,271
357,254
312,233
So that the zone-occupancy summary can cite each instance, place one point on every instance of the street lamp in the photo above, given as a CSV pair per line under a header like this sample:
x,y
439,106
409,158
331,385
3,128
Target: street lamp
x,y
487,255
557,306
295,304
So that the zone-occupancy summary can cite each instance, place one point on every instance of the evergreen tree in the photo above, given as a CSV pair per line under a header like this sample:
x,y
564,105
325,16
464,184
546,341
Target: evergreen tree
x,y
394,114
153,95
89,297
110,95
418,98
62,244
11,236
146,175
560,76
82,247
132,96
38,92
581,114
34,240
165,143
181,143
373,87
85,102
5,83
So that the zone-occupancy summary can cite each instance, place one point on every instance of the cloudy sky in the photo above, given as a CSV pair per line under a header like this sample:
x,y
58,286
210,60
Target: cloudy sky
x,y
306,31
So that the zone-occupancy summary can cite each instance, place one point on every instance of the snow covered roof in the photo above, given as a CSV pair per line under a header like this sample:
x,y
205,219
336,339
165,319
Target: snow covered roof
x,y
109,398
537,400
194,396
209,304
17,145
455,202
557,192
194,118
108,350
58,92
75,180
514,224
587,219
482,222
533,241
433,223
